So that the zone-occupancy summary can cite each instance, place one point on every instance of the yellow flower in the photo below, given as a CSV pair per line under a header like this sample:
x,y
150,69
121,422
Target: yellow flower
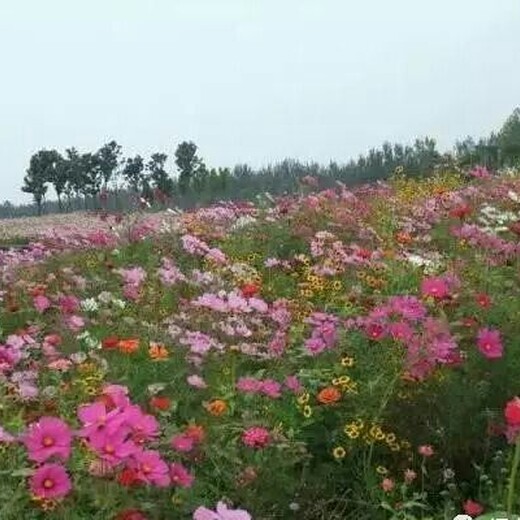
x,y
307,411
359,423
337,285
390,438
381,470
352,431
394,446
304,398
339,452
344,380
347,361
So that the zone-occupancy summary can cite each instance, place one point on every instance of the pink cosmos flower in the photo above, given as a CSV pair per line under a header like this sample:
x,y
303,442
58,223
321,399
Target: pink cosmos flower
x,y
75,323
426,450
50,481
387,485
180,476
436,287
68,304
49,437
409,476
143,427
182,443
150,468
41,303
6,437
197,382
222,513
113,447
61,364
256,437
118,395
248,385
95,418
489,343
271,388
400,331
292,383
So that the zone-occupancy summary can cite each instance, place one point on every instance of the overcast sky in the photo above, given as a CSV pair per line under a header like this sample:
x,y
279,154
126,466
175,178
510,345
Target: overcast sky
x,y
250,80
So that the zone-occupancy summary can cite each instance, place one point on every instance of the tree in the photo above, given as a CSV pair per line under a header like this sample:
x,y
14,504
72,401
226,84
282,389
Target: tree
x,y
35,180
44,166
108,160
187,162
509,139
58,176
133,172
159,177
89,175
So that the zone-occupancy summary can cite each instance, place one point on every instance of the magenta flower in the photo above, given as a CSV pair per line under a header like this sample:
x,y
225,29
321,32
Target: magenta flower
x,y
150,468
489,343
144,427
435,287
68,304
248,385
271,388
95,418
400,331
113,447
222,513
50,481
180,476
256,437
49,437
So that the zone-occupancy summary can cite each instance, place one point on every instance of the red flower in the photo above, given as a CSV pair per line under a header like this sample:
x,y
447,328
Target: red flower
x,y
131,514
111,342
160,403
461,211
364,253
473,508
483,300
128,477
469,321
249,290
512,412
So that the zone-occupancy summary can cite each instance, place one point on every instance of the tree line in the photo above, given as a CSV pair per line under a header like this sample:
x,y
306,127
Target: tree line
x,y
92,179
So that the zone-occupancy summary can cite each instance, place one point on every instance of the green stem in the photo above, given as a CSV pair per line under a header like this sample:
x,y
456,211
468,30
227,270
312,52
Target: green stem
x,y
512,478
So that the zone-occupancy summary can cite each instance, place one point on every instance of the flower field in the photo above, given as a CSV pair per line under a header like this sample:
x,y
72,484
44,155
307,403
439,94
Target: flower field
x,y
343,354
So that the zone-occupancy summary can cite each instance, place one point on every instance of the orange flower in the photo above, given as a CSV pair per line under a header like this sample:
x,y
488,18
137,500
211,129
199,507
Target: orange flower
x,y
216,407
195,432
158,352
403,237
329,395
128,346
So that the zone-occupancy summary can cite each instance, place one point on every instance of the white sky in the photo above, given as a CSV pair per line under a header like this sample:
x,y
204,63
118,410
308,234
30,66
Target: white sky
x,y
250,80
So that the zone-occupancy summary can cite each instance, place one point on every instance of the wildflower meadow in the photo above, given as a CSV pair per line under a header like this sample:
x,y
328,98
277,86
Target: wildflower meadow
x,y
344,354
